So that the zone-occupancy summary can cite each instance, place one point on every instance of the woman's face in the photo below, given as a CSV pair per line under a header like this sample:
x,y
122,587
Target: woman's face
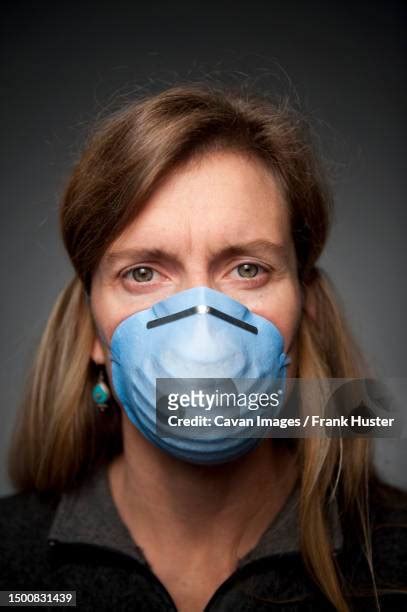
x,y
221,222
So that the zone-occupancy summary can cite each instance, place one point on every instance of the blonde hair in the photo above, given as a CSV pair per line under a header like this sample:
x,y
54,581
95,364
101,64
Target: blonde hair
x,y
58,439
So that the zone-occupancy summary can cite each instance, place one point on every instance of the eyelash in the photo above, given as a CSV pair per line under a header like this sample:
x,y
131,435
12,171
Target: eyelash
x,y
127,273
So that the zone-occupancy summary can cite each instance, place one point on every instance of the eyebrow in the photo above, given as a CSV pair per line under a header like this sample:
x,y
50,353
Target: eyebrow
x,y
132,254
255,247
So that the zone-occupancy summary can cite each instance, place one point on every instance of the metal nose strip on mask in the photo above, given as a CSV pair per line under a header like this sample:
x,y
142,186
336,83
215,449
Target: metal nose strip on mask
x,y
202,310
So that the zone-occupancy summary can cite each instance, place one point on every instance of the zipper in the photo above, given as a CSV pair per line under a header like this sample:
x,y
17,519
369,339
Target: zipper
x,y
145,569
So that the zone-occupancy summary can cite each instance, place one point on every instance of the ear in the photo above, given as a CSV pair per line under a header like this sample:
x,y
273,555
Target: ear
x,y
97,353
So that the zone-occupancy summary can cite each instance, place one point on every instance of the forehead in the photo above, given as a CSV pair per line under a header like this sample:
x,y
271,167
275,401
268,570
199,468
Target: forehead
x,y
218,199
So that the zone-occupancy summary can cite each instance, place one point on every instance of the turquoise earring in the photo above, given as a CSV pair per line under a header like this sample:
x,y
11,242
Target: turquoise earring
x,y
101,393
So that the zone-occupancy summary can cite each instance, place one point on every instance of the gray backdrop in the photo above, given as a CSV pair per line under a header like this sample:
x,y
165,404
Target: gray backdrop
x,y
65,63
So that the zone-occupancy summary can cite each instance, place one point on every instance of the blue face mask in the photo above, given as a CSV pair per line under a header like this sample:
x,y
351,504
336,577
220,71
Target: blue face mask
x,y
197,333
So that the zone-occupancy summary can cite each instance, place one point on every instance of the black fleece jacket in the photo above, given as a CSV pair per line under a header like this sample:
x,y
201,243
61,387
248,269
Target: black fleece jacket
x,y
105,579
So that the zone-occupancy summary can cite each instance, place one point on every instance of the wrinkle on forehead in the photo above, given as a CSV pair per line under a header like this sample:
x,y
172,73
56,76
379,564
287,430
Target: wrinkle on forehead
x,y
214,201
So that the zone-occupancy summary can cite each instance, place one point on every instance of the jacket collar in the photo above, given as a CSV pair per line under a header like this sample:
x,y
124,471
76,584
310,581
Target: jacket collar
x,y
88,515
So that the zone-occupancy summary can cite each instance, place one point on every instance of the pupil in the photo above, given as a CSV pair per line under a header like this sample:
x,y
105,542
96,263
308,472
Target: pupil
x,y
142,274
248,270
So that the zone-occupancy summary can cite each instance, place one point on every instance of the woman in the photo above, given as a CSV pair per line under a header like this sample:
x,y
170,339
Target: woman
x,y
193,197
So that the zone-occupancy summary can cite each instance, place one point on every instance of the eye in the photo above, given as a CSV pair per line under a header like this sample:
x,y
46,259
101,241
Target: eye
x,y
248,270
142,274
